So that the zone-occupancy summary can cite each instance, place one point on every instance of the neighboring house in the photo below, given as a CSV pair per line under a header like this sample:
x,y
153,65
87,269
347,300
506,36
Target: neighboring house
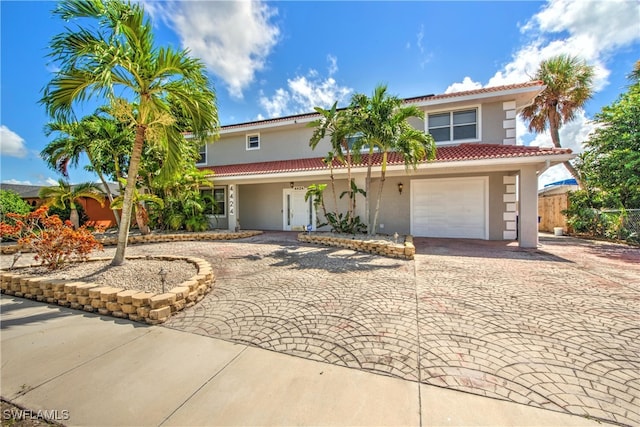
x,y
552,200
481,185
97,215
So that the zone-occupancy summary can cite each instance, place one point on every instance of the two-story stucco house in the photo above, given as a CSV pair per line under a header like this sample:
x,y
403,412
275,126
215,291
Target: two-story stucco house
x,y
481,184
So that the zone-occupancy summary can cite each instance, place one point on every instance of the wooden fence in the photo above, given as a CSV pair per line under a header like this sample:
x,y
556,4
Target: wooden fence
x,y
550,212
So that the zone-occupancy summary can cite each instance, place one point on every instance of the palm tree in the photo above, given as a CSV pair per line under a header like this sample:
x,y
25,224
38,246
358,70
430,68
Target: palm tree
x,y
65,194
117,55
569,85
382,122
97,136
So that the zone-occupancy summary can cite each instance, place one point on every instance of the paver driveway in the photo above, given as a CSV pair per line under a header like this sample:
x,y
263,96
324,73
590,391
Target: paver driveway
x,y
557,327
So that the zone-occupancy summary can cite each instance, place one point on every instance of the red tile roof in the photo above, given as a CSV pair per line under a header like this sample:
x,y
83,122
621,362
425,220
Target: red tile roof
x,y
416,99
463,152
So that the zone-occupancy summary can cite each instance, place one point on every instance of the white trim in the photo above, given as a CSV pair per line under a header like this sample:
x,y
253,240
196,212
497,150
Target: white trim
x,y
257,126
226,199
424,167
478,138
249,135
206,155
285,211
479,96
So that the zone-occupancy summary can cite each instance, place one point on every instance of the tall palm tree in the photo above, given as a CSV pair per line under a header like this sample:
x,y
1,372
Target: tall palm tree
x,y
382,122
68,195
569,85
116,55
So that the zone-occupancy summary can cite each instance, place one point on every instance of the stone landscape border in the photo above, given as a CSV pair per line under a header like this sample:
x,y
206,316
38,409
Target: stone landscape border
x,y
134,305
405,250
158,238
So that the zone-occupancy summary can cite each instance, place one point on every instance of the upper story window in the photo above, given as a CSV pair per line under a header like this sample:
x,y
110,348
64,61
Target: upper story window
x,y
454,125
253,141
353,141
202,153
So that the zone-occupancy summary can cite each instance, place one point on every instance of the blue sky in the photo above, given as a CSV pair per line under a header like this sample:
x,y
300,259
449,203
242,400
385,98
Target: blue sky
x,y
269,59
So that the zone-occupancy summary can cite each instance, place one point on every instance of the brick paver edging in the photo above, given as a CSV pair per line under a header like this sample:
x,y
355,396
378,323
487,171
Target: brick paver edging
x,y
108,301
404,250
157,238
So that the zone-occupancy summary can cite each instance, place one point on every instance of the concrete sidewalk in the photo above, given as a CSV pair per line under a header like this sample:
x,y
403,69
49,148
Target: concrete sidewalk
x,y
109,372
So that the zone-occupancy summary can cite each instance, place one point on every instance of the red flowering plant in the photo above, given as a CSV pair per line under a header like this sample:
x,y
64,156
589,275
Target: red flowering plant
x,y
55,242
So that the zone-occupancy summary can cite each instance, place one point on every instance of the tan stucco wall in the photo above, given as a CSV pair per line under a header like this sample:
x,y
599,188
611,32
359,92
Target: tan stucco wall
x,y
261,204
277,144
293,142
492,119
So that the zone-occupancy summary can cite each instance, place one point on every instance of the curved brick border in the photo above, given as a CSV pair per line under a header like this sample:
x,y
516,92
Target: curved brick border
x,y
127,304
157,238
404,250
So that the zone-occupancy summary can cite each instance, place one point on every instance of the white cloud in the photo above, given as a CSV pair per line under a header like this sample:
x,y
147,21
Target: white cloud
x,y
572,134
17,182
303,93
590,29
553,174
419,38
51,181
233,38
12,144
466,84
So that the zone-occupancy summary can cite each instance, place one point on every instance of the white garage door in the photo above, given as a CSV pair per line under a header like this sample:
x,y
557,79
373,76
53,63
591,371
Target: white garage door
x,y
450,207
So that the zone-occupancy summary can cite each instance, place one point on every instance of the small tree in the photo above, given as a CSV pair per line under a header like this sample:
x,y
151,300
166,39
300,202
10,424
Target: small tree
x,y
65,194
55,242
381,120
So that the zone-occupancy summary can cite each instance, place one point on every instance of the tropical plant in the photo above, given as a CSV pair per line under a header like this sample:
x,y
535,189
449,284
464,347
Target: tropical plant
x,y
568,84
183,199
11,202
55,242
65,194
611,160
117,55
100,137
337,125
140,211
382,123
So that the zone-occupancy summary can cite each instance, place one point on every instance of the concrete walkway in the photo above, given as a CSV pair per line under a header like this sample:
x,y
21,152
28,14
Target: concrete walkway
x,y
90,370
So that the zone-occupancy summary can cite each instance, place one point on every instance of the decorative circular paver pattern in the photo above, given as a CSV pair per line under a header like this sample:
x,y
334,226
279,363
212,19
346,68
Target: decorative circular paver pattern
x,y
557,328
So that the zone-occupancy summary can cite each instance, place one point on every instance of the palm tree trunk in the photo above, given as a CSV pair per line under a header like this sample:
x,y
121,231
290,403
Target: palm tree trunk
x,y
127,205
383,173
352,197
142,219
104,185
367,190
333,188
74,217
554,130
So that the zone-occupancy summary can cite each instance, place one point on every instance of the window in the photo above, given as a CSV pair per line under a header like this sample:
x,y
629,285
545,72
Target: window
x,y
454,125
253,141
202,152
216,201
353,140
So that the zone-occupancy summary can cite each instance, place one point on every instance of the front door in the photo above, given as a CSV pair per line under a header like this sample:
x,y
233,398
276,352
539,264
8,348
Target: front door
x,y
296,212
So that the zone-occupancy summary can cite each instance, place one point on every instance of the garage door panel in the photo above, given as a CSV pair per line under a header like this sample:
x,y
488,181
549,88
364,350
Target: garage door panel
x,y
449,207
